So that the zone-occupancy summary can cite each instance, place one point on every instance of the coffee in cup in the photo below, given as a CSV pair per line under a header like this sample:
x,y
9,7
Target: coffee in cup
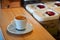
x,y
20,22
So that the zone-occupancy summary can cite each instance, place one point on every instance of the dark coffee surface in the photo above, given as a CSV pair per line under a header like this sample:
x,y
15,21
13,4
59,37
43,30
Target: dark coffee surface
x,y
20,18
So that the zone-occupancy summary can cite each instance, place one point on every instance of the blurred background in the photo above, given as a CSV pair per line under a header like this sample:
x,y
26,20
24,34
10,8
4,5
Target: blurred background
x,y
15,3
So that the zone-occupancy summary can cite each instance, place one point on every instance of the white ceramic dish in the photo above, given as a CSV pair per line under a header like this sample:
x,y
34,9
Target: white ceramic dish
x,y
12,28
57,2
42,8
45,17
33,7
52,4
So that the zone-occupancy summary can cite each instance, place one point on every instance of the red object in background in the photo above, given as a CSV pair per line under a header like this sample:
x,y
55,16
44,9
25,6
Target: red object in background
x,y
41,6
50,13
58,4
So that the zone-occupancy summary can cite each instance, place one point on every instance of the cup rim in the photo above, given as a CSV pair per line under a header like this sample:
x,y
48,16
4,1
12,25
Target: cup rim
x,y
20,19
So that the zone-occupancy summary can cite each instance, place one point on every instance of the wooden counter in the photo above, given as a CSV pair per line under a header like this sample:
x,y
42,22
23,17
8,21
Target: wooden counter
x,y
38,33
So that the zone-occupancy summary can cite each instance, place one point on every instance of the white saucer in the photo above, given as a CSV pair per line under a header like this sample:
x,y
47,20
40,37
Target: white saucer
x,y
12,28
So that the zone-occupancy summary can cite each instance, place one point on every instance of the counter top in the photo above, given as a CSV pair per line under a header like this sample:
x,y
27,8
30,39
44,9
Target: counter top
x,y
38,33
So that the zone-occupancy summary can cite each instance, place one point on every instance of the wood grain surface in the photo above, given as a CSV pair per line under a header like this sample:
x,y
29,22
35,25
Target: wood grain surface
x,y
38,33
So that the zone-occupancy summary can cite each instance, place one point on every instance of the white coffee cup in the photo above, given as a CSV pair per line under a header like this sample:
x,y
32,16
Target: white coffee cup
x,y
20,22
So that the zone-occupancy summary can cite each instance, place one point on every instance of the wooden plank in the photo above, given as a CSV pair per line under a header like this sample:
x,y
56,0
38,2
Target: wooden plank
x,y
38,33
36,28
7,18
14,4
0,15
